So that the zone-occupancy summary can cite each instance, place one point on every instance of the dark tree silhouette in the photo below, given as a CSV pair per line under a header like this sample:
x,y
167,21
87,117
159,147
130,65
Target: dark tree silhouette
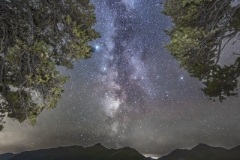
x,y
202,28
35,37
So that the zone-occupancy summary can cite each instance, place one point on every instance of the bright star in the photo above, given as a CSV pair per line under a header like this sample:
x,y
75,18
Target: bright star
x,y
97,47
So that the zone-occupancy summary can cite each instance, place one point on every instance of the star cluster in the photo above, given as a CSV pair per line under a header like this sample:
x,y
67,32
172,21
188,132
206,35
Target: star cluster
x,y
131,92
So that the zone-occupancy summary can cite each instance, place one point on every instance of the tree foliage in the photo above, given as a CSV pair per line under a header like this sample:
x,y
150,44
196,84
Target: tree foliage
x,y
35,37
202,28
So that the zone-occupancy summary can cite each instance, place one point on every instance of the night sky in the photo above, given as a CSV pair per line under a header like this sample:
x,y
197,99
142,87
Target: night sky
x,y
131,92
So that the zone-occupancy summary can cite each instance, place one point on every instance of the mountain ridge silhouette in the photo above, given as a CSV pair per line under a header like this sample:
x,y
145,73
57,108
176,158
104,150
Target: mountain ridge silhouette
x,y
204,152
95,152
99,152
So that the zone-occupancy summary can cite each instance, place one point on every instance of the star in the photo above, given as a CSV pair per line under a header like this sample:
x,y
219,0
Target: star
x,y
97,47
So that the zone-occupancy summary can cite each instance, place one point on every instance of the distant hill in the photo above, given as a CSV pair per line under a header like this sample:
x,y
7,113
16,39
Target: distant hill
x,y
6,156
96,152
204,152
149,158
99,152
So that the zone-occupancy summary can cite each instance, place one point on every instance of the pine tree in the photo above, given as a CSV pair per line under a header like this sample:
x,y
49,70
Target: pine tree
x,y
36,36
201,30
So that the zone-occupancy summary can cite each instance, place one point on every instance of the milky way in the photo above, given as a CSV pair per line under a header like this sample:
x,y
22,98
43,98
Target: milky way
x,y
131,92
124,77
